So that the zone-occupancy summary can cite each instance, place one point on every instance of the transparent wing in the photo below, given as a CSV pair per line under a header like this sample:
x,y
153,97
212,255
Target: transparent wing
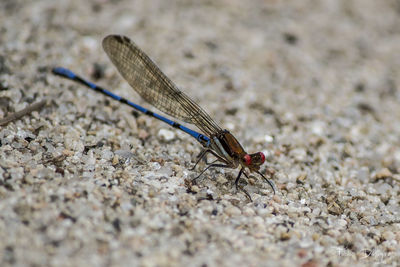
x,y
154,86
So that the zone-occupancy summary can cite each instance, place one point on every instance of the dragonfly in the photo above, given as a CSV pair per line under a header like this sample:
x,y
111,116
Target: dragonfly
x,y
146,78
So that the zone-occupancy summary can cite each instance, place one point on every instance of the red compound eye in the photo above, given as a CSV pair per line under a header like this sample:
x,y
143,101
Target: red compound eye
x,y
262,157
247,159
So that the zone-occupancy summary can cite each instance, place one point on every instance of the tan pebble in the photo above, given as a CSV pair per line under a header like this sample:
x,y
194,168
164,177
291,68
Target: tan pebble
x,y
334,209
310,263
177,168
384,173
221,179
115,160
391,247
345,238
260,235
151,193
143,134
68,153
333,233
388,235
188,223
301,178
285,236
315,236
68,195
251,181
398,236
248,211
29,179
233,211
195,188
277,199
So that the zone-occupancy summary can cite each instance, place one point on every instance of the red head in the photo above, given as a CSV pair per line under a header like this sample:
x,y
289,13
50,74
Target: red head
x,y
253,161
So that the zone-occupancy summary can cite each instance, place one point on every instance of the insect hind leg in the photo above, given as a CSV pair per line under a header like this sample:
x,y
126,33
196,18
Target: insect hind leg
x,y
241,187
202,155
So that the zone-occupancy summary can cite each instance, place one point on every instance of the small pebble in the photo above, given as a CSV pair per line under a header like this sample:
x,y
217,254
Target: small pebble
x,y
233,211
166,135
383,173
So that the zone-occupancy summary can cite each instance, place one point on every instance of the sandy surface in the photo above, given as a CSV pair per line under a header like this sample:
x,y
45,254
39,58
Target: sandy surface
x,y
85,181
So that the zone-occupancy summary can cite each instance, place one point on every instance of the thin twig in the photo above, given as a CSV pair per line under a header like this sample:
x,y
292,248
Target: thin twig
x,y
21,113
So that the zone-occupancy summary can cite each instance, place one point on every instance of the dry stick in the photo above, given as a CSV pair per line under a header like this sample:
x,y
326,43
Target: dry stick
x,y
21,113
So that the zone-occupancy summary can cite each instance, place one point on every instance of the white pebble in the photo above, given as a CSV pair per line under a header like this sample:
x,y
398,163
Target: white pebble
x,y
268,138
317,128
342,223
166,135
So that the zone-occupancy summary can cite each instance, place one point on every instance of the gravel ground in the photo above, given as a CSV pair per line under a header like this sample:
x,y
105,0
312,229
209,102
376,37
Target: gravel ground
x,y
85,181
